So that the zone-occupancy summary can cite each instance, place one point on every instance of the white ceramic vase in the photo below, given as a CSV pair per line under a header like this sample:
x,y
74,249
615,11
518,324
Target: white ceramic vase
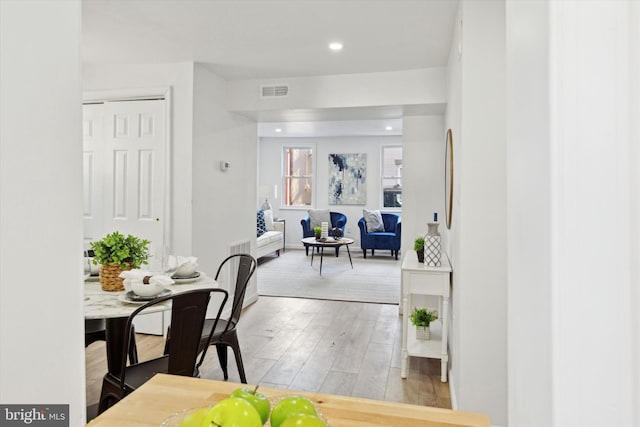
x,y
325,230
432,246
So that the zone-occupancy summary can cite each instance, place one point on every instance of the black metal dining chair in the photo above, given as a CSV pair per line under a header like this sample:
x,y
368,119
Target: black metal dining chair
x,y
95,330
223,334
188,312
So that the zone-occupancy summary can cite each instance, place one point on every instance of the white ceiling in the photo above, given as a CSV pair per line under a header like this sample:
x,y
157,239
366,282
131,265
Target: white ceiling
x,y
241,39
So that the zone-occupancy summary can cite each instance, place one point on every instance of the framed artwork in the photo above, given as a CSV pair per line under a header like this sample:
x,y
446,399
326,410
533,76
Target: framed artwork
x,y
347,179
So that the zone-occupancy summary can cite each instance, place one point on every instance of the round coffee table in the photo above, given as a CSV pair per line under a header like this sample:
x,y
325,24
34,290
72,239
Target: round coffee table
x,y
329,242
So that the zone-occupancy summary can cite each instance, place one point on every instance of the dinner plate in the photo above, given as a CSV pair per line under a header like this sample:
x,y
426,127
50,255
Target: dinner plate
x,y
131,298
188,279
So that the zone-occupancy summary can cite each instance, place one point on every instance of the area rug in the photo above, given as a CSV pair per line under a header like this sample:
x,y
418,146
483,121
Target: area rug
x,y
375,279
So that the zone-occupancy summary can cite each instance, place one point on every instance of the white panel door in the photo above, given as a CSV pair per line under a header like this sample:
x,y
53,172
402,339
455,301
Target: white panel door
x,y
134,176
124,173
93,171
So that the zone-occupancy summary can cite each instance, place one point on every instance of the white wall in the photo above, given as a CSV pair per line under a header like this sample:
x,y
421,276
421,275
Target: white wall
x,y
270,173
590,170
530,259
179,77
476,115
634,159
573,136
425,86
41,286
423,193
223,202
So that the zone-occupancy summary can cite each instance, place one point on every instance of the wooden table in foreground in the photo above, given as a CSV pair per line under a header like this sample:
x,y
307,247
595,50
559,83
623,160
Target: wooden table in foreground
x,y
165,395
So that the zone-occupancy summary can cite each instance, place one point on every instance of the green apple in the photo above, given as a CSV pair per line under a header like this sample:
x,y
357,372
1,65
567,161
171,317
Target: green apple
x,y
289,406
258,400
232,412
303,420
194,419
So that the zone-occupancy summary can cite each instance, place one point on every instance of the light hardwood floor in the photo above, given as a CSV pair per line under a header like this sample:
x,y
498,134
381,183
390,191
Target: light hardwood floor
x,y
336,347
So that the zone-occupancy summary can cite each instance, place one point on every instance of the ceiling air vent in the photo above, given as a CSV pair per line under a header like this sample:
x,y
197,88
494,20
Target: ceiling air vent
x,y
275,91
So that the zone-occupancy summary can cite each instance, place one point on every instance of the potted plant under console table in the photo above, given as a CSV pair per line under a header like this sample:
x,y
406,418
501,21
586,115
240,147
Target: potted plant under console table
x,y
420,279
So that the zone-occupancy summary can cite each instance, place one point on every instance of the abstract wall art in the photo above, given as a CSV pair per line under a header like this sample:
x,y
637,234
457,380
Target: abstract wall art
x,y
347,179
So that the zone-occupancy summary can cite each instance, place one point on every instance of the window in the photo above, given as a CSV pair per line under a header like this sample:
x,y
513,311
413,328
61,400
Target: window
x,y
297,176
392,177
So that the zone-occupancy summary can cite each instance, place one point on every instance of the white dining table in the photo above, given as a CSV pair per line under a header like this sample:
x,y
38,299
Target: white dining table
x,y
113,308
99,304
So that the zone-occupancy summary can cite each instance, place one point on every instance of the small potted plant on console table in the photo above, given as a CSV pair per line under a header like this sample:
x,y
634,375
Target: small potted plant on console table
x,y
418,246
318,232
421,319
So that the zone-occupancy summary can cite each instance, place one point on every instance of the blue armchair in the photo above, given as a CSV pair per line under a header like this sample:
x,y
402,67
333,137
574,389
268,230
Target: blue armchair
x,y
337,220
387,239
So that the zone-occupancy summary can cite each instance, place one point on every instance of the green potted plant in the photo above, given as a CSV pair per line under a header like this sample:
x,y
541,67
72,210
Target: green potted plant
x,y
116,253
318,232
418,246
421,318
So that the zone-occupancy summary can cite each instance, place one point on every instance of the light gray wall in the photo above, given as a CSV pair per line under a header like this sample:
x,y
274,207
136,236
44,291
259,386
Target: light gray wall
x,y
482,263
529,198
41,286
408,87
573,165
478,238
423,194
223,210
634,197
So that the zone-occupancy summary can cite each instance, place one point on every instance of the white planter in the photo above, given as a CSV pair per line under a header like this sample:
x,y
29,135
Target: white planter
x,y
423,333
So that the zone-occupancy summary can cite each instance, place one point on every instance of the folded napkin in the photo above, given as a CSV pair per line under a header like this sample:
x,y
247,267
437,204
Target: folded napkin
x,y
153,279
144,283
186,266
186,260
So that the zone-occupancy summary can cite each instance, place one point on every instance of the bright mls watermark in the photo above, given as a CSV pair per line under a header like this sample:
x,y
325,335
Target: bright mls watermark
x,y
36,415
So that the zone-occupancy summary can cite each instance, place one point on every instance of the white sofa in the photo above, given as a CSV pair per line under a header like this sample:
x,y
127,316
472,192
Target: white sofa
x,y
271,241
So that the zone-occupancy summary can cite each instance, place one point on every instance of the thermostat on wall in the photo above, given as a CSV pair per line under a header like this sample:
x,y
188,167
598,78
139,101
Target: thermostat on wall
x,y
224,166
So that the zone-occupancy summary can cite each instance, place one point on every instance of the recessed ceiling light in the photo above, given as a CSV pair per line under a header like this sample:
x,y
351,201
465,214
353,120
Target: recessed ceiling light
x,y
388,128
278,130
335,46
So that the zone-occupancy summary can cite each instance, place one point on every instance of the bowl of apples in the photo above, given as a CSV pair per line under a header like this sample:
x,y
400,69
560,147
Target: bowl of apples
x,y
247,407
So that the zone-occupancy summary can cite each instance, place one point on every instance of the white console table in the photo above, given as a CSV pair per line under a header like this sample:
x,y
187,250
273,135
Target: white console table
x,y
419,279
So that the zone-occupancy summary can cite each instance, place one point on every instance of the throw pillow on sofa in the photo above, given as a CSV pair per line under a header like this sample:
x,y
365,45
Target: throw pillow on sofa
x,y
318,216
261,226
373,219
268,219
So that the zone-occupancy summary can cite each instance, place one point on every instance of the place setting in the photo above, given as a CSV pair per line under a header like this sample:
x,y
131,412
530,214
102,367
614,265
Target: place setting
x,y
144,286
186,270
166,271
